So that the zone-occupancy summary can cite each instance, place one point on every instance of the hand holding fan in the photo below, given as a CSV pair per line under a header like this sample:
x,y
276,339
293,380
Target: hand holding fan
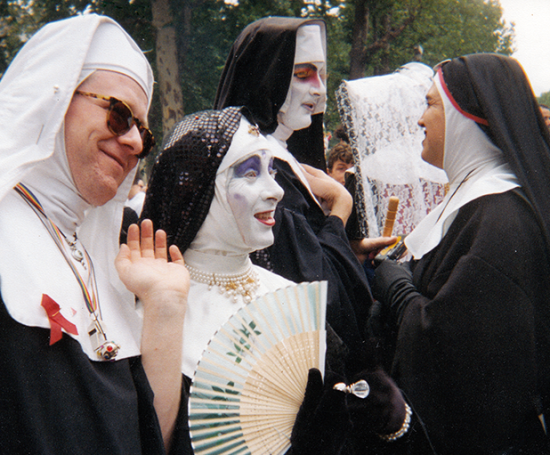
x,y
250,381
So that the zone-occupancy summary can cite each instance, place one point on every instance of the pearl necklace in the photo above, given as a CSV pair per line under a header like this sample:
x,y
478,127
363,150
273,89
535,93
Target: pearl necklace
x,y
231,285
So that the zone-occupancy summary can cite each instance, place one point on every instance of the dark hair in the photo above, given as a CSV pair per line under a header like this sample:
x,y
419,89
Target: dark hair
x,y
340,133
341,151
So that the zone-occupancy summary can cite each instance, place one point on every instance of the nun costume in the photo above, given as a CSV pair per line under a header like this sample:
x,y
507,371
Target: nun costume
x,y
471,312
71,372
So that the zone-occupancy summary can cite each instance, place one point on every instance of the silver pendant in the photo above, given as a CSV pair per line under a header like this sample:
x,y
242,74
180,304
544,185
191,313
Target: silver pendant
x,y
77,254
106,350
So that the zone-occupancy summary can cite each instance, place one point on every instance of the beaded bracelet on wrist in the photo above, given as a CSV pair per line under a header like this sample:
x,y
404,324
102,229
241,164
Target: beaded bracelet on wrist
x,y
404,428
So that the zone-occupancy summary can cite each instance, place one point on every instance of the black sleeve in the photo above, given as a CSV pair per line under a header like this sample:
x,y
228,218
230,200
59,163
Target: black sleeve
x,y
311,246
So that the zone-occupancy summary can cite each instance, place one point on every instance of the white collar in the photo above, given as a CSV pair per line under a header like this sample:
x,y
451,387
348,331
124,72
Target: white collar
x,y
35,93
474,166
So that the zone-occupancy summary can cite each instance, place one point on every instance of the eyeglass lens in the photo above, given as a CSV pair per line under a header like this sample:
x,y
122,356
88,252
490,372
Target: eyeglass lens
x,y
121,121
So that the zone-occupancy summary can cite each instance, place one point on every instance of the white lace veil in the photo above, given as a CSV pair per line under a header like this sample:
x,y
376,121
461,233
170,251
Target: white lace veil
x,y
380,114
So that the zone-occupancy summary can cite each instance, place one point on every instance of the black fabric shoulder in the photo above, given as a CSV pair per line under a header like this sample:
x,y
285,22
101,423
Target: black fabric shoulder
x,y
54,400
480,327
495,88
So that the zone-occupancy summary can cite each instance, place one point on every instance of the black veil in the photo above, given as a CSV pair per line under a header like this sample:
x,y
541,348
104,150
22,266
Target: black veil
x,y
257,74
495,88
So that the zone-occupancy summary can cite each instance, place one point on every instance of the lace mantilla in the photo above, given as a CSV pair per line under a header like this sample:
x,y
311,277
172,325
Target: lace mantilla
x,y
380,114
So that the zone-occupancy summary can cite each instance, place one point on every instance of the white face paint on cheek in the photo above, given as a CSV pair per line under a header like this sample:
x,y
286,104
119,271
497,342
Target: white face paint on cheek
x,y
306,90
237,202
252,196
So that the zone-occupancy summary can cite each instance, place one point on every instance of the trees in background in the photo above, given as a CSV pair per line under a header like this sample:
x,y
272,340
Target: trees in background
x,y
544,98
187,41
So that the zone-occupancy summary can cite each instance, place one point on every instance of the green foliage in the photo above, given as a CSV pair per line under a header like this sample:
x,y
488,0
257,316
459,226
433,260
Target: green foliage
x,y
544,98
451,28
18,21
207,28
444,29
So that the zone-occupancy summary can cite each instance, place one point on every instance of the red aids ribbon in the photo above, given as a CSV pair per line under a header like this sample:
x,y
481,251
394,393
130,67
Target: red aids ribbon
x,y
57,321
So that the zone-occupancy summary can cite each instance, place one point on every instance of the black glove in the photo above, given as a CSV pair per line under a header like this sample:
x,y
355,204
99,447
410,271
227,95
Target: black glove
x,y
322,422
393,287
382,412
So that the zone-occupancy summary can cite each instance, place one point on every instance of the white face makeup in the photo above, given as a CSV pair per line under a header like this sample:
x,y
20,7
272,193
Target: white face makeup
x,y
307,89
253,194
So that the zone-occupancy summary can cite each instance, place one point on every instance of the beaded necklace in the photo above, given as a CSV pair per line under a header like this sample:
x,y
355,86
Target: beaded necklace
x,y
231,285
105,349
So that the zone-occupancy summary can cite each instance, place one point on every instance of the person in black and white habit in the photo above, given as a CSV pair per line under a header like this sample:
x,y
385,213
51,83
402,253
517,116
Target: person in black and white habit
x,y
471,310
213,192
277,69
79,371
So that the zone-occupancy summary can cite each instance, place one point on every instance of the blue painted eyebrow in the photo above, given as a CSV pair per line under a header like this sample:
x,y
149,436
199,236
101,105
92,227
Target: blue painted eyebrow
x,y
252,163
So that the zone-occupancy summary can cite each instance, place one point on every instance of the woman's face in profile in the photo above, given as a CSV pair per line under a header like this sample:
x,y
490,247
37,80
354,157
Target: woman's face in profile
x,y
433,122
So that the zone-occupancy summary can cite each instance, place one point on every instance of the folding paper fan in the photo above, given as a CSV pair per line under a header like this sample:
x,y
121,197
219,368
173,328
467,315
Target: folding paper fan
x,y
251,379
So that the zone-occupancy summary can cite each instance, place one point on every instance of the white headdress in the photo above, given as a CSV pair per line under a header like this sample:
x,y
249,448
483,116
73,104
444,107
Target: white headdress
x,y
219,232
35,93
310,48
474,166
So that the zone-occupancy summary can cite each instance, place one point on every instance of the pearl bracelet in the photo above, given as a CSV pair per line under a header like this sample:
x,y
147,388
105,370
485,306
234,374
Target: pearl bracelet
x,y
404,428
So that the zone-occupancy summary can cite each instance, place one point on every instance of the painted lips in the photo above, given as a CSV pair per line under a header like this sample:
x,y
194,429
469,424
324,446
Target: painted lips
x,y
266,218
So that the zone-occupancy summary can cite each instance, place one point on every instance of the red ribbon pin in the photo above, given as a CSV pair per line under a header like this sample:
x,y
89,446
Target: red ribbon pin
x,y
57,320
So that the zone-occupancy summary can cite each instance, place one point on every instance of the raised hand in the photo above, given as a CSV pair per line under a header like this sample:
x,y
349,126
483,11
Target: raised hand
x,y
336,198
143,264
162,288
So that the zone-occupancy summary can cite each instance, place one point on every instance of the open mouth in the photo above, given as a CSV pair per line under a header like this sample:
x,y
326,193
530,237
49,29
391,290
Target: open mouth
x,y
309,106
265,218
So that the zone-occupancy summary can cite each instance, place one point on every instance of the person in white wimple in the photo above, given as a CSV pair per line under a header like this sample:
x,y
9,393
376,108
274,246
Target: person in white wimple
x,y
80,371
226,229
213,192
